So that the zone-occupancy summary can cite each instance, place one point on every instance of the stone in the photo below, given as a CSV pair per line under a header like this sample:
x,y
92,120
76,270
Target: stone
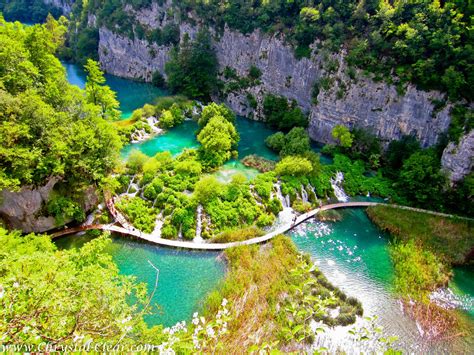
x,y
457,160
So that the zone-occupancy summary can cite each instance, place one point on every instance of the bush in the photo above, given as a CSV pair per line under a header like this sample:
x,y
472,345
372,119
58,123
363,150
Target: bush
x,y
293,166
281,114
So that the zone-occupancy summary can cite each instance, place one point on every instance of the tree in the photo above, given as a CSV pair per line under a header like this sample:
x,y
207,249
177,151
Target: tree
x,y
276,141
281,114
293,166
421,180
214,109
192,70
219,139
296,142
342,135
100,94
47,127
207,189
397,152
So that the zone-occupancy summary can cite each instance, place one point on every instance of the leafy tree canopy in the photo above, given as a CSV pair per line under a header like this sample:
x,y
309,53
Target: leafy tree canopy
x,y
47,126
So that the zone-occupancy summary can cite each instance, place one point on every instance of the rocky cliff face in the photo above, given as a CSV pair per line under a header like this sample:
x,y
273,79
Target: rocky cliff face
x,y
24,210
458,160
65,5
354,102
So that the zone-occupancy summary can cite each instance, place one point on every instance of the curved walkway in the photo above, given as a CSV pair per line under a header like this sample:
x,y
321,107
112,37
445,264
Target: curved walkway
x,y
208,246
128,229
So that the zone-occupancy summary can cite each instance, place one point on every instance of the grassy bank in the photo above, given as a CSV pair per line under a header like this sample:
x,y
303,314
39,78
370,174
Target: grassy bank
x,y
423,249
451,239
274,293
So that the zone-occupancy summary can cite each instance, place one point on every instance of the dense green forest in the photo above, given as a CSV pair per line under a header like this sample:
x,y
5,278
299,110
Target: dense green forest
x,y
47,126
28,11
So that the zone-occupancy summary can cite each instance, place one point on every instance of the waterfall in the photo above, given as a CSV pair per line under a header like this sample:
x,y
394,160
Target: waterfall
x,y
198,238
288,201
304,194
338,190
279,195
130,184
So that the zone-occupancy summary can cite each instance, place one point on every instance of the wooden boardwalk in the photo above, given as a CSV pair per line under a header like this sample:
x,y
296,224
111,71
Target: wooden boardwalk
x,y
203,246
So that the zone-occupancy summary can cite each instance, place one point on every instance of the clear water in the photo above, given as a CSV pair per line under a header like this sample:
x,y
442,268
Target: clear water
x,y
353,255
175,140
131,94
185,277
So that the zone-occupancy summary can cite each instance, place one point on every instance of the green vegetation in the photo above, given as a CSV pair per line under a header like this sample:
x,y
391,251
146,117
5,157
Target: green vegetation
x,y
218,136
234,83
451,239
81,291
277,292
296,142
424,42
28,11
423,249
47,126
139,212
192,69
281,114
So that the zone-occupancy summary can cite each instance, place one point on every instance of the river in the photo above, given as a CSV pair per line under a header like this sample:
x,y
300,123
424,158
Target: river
x,y
352,253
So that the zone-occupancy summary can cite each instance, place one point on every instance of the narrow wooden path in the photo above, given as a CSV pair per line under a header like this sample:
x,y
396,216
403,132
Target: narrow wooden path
x,y
205,246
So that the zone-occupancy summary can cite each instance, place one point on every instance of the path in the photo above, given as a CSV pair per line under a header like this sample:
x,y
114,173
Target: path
x,y
128,229
203,246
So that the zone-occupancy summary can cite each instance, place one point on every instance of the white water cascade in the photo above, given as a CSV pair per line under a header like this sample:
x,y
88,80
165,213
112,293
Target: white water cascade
x,y
280,196
338,190
304,194
198,238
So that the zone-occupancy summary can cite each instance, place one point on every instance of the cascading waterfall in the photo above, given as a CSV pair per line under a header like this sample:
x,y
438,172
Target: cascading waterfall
x,y
287,201
313,191
198,238
279,195
304,194
338,190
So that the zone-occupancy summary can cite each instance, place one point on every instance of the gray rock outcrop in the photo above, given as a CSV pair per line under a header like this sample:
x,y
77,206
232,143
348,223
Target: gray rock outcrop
x,y
64,5
24,209
458,159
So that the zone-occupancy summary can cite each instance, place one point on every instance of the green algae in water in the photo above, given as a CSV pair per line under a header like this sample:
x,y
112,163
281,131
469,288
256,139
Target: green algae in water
x,y
186,277
131,94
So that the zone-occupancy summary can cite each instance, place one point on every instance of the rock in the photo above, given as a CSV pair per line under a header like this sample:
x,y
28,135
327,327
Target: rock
x,y
136,59
64,5
457,159
24,209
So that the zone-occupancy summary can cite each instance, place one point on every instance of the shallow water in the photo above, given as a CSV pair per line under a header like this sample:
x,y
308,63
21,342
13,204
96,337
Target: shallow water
x,y
185,277
353,255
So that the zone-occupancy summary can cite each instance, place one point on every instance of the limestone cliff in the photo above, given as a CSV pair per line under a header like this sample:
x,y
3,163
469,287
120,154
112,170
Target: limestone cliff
x,y
64,5
458,159
354,100
25,209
